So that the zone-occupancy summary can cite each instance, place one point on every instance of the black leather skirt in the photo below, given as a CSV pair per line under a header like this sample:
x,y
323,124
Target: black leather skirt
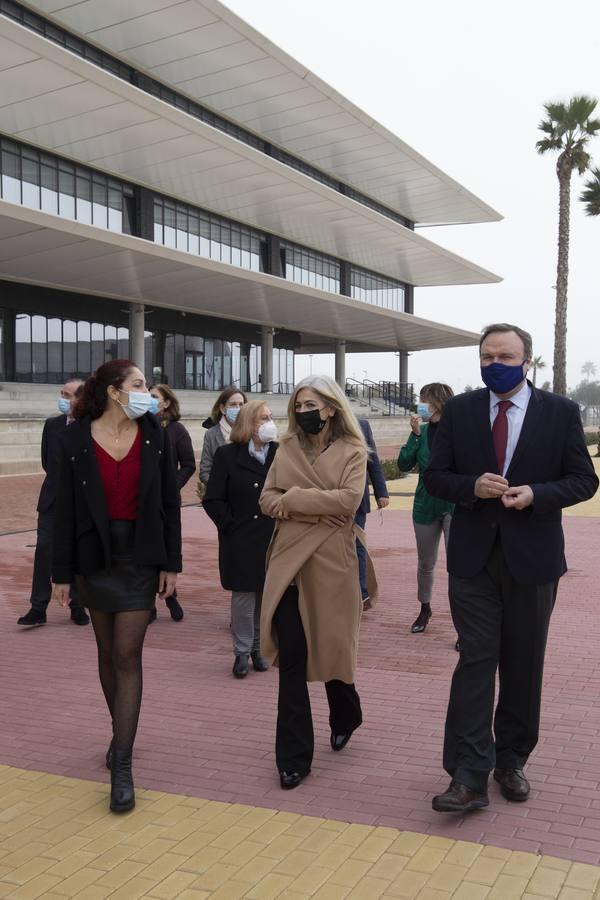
x,y
126,586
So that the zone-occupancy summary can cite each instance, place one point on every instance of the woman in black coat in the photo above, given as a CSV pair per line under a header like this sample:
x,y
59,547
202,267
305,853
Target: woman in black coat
x,y
185,462
117,533
236,480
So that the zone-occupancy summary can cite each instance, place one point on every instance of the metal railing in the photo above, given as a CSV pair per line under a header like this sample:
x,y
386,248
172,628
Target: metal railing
x,y
390,398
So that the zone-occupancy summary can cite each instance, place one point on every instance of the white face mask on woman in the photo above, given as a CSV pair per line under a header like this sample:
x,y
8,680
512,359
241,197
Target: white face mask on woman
x,y
138,404
267,432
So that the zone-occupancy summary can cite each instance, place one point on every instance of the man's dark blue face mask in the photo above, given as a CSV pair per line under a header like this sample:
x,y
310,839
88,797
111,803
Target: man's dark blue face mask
x,y
500,378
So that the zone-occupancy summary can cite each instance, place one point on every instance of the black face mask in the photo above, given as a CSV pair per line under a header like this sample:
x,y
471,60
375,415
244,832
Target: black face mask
x,y
311,422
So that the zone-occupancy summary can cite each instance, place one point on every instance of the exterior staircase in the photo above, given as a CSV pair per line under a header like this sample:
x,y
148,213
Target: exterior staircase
x,y
24,409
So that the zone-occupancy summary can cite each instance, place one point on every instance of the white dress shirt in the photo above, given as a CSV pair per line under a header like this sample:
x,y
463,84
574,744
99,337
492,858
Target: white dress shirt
x,y
515,415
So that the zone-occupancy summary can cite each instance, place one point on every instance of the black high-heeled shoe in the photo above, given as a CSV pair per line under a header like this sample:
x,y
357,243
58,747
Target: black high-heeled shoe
x,y
422,620
122,795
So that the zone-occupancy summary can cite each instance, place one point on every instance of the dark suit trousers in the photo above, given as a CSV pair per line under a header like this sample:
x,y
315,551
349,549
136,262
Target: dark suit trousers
x,y
501,626
361,520
41,585
294,740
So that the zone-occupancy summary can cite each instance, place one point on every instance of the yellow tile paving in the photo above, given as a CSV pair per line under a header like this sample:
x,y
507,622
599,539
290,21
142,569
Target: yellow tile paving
x,y
181,847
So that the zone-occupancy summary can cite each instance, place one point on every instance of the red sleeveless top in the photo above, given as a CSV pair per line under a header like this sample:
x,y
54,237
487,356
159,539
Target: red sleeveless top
x,y
121,480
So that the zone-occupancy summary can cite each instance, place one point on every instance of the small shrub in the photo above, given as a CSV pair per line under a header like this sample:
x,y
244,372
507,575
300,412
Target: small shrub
x,y
592,437
391,470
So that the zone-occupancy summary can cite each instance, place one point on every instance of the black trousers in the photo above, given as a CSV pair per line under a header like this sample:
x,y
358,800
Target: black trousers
x,y
501,626
294,740
41,584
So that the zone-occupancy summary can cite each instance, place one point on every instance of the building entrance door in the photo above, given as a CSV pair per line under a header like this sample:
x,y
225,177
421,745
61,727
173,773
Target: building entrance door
x,y
194,370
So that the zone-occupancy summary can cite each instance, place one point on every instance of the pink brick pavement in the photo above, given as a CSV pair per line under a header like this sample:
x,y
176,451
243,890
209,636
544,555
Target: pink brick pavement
x,y
205,734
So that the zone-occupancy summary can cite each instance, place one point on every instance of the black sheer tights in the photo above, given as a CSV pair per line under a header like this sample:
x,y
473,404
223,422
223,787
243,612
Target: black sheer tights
x,y
120,639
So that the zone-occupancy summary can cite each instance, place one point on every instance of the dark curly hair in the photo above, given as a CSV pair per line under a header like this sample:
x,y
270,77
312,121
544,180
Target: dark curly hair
x,y
94,396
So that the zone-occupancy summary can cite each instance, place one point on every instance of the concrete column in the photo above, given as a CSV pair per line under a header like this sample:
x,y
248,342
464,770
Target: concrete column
x,y
403,367
266,361
136,336
340,363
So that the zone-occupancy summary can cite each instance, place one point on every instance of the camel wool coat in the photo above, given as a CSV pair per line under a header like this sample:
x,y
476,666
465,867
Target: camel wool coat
x,y
319,558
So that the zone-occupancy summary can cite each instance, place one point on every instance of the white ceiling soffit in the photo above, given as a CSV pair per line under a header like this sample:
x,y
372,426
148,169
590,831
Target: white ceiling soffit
x,y
38,248
207,52
58,101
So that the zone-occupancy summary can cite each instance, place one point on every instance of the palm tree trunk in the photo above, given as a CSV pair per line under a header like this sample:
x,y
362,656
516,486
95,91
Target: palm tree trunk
x,y
534,374
563,169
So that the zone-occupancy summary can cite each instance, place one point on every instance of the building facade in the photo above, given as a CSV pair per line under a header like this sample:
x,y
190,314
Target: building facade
x,y
176,189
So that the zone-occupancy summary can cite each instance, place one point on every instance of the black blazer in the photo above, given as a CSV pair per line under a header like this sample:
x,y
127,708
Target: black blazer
x,y
182,449
81,537
551,457
374,471
54,427
231,500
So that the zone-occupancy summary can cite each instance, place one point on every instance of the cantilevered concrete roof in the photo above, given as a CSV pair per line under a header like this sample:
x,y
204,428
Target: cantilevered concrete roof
x,y
59,101
42,249
207,52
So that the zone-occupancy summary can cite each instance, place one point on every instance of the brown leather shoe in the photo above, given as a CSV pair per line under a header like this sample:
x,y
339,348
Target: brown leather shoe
x,y
459,798
513,784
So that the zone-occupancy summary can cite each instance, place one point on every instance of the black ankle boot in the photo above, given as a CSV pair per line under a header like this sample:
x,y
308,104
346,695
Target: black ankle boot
x,y
109,754
420,623
122,796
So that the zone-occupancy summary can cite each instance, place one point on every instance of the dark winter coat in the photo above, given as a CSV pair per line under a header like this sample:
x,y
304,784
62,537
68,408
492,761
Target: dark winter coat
x,y
81,542
183,451
231,500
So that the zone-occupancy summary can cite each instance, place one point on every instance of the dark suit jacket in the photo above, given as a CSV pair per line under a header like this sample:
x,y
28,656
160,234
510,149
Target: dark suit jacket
x,y
551,457
54,427
81,537
231,500
374,471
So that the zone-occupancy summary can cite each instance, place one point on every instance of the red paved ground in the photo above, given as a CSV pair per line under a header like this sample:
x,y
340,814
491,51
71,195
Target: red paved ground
x,y
205,734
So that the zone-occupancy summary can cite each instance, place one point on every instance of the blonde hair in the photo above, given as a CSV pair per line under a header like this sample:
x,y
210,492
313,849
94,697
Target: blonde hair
x,y
343,423
244,426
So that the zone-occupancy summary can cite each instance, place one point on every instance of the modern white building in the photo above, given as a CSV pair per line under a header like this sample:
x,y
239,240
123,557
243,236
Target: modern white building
x,y
176,188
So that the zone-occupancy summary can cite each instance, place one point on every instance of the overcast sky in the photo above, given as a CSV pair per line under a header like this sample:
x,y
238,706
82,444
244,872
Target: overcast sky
x,y
464,83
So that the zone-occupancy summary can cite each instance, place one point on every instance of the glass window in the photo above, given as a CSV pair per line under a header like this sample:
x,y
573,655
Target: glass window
x,y
69,348
209,364
169,360
99,202
376,289
97,345
179,360
218,364
148,355
84,349
55,366
226,363
23,347
66,192
49,188
123,343
111,350
30,173
235,364
11,176
39,349
83,190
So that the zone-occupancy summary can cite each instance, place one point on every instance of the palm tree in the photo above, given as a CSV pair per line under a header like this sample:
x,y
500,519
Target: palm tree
x,y
537,363
588,369
591,196
567,129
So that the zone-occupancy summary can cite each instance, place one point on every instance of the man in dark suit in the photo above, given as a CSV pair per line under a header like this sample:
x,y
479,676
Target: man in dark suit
x,y
377,478
41,586
510,457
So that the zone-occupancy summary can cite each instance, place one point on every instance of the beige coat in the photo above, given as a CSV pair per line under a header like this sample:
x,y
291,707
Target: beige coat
x,y
320,558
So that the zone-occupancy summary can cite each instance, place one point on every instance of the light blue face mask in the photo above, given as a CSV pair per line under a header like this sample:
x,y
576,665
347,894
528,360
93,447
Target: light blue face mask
x,y
231,413
138,404
423,411
64,406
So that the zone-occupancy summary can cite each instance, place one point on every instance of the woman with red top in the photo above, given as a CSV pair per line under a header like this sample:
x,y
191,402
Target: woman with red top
x,y
118,535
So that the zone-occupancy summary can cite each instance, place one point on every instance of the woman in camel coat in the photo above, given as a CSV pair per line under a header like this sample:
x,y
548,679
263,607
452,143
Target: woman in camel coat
x,y
312,601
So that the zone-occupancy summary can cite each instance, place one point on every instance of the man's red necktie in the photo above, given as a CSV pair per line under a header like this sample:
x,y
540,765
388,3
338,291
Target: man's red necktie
x,y
500,433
